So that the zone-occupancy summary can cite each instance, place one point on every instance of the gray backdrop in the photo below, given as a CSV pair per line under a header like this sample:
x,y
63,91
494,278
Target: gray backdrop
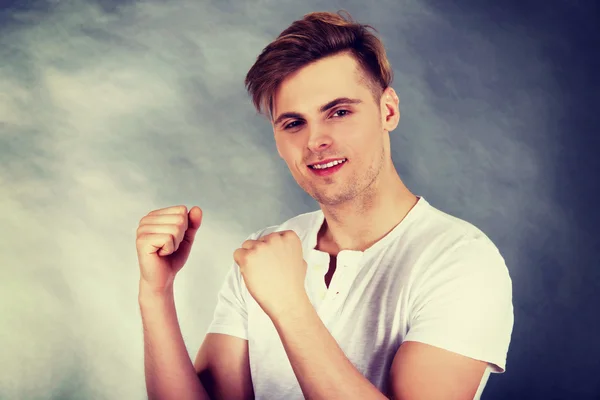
x,y
109,109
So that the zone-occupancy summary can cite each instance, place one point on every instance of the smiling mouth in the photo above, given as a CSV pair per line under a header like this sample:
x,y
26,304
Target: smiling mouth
x,y
327,169
327,165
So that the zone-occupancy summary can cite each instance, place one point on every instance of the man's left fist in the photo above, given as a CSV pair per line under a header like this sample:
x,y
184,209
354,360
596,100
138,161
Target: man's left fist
x,y
274,270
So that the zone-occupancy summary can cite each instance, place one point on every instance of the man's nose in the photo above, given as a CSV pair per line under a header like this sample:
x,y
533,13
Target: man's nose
x,y
319,139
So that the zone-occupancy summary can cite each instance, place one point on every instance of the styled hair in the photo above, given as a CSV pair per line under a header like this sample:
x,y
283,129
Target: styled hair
x,y
315,36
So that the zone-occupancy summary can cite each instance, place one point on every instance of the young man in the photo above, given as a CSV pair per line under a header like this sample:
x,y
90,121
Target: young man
x,y
377,294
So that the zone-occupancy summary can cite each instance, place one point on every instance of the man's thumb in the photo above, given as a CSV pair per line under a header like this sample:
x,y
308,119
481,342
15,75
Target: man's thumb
x,y
194,221
194,218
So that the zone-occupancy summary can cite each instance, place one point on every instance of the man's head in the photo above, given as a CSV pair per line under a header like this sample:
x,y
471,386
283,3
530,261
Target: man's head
x,y
324,83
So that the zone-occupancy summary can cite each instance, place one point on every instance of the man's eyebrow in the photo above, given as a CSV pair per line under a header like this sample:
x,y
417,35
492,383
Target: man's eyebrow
x,y
285,116
322,109
339,100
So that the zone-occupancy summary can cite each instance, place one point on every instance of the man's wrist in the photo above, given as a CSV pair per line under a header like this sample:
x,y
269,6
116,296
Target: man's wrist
x,y
148,294
293,311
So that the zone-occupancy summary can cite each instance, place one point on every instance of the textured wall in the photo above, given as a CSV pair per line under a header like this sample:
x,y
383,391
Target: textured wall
x,y
109,109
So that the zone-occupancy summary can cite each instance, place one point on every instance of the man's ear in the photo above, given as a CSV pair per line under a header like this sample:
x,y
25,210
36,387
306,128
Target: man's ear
x,y
390,106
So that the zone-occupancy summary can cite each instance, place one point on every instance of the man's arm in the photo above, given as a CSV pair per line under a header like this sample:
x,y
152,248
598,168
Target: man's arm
x,y
169,372
223,366
421,371
321,367
221,369
168,368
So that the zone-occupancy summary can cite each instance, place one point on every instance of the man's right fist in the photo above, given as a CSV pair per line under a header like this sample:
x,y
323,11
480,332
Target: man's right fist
x,y
164,240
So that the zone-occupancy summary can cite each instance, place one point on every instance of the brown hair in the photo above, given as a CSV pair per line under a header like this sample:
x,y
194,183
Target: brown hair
x,y
315,36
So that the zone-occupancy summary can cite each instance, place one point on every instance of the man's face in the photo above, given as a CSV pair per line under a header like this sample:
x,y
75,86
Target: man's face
x,y
310,127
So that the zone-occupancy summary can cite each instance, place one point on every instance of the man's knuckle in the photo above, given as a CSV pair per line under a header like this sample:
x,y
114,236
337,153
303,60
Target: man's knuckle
x,y
140,240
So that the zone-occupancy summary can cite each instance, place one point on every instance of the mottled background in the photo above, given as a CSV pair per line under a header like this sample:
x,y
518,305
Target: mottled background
x,y
109,109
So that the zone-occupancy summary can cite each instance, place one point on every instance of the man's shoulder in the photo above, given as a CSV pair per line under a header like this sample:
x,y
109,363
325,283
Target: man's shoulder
x,y
301,224
444,231
450,246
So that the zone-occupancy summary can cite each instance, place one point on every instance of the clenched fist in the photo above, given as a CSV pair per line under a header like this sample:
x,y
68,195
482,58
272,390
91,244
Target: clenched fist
x,y
163,243
274,270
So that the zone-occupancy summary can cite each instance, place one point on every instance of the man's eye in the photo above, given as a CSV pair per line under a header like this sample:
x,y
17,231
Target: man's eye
x,y
293,124
342,112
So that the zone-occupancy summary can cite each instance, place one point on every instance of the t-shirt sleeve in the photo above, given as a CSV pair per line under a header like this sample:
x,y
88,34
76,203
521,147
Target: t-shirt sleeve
x,y
464,304
231,316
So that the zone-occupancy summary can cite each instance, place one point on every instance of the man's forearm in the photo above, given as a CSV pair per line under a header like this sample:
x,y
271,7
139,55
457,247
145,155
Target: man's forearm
x,y
169,371
321,367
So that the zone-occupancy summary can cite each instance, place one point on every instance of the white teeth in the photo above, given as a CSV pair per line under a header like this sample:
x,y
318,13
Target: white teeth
x,y
328,165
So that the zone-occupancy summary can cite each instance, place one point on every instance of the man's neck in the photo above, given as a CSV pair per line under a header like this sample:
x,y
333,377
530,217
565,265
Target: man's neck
x,y
359,224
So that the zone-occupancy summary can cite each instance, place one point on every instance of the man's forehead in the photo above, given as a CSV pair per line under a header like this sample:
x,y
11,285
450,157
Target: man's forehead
x,y
321,81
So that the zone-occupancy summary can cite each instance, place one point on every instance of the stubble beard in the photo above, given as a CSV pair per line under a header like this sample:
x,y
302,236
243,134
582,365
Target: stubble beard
x,y
358,184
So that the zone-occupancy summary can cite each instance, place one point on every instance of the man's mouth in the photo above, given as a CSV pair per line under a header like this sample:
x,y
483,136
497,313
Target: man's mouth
x,y
327,167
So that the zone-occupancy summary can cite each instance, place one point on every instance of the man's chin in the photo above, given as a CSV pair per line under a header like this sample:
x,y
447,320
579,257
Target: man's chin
x,y
329,199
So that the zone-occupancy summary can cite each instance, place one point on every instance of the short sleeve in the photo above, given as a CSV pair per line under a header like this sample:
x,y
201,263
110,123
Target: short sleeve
x,y
231,316
463,304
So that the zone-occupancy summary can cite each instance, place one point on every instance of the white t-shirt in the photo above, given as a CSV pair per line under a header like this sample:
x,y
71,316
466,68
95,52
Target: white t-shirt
x,y
434,279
